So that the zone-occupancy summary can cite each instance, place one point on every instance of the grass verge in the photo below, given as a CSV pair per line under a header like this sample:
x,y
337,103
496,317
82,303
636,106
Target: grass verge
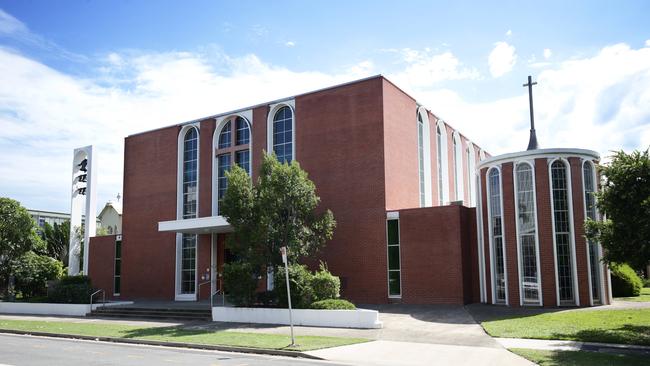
x,y
644,297
608,326
181,334
579,358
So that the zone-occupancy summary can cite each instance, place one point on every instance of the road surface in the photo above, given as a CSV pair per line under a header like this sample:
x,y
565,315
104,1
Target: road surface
x,y
20,350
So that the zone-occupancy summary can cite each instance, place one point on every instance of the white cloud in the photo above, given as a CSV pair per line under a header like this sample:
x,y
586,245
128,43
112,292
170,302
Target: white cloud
x,y
51,113
502,59
647,43
572,107
290,44
547,53
509,33
10,25
426,69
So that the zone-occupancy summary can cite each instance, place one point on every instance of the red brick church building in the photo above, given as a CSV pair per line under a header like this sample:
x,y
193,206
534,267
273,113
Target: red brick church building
x,y
423,214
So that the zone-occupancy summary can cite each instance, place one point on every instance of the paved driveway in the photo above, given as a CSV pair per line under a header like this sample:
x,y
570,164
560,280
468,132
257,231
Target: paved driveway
x,y
423,335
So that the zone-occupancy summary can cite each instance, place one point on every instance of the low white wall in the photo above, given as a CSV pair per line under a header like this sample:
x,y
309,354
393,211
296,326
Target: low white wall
x,y
359,318
51,309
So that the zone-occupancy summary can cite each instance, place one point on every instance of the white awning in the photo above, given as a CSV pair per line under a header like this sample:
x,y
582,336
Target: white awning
x,y
201,225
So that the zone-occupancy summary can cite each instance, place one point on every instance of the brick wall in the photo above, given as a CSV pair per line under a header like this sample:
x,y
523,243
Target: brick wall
x,y
101,261
435,247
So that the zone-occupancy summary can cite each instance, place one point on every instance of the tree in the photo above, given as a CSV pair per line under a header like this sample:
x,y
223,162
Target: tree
x,y
57,238
32,271
278,211
18,235
625,203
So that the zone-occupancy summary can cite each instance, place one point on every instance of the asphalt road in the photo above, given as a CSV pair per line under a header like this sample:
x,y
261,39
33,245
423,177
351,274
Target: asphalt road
x,y
19,350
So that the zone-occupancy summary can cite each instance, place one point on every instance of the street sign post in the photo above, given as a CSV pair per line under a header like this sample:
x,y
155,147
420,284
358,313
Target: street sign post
x,y
283,250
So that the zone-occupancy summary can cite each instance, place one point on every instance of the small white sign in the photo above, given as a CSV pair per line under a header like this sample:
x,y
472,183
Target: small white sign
x,y
283,250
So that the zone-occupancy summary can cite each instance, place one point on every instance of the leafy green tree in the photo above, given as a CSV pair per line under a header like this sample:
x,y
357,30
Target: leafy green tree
x,y
280,210
625,203
18,235
57,238
32,271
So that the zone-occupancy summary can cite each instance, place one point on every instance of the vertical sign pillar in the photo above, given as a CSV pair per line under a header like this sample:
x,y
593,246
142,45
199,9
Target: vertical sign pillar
x,y
83,196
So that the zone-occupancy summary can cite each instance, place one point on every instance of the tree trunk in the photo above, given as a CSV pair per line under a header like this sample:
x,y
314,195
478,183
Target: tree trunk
x,y
11,293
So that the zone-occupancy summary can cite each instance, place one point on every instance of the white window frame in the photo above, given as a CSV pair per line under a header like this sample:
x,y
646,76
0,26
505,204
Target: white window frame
x,y
273,109
491,235
179,210
530,163
574,269
445,162
220,124
426,142
458,167
601,269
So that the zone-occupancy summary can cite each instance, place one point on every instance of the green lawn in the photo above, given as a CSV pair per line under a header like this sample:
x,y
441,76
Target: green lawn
x,y
579,358
644,297
180,334
609,326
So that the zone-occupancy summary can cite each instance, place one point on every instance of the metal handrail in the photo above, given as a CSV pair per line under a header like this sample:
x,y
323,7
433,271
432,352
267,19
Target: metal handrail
x,y
103,298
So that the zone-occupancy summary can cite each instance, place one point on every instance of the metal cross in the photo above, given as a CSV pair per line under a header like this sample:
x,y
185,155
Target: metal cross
x,y
532,142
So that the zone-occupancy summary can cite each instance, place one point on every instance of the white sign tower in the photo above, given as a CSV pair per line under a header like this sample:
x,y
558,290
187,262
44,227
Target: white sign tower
x,y
83,192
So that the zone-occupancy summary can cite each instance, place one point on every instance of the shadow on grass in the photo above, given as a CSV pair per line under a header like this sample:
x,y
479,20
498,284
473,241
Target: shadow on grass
x,y
626,334
167,332
580,358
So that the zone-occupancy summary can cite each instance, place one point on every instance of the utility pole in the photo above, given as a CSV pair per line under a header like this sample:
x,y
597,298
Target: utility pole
x,y
283,250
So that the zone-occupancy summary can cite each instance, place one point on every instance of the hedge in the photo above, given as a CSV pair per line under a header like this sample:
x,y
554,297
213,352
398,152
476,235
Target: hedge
x,y
625,282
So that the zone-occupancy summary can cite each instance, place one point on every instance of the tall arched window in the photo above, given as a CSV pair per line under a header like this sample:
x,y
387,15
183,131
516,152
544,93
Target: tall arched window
x,y
186,251
458,167
441,198
527,234
283,134
562,233
190,172
231,148
421,160
588,173
496,236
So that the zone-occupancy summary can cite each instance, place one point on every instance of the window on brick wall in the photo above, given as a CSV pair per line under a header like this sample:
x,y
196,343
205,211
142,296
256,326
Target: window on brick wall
x,y
394,266
117,268
562,232
421,160
283,134
527,234
496,235
231,148
589,183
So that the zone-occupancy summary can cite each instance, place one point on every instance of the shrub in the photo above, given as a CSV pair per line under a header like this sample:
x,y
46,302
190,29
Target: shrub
x,y
333,304
646,282
32,271
625,282
302,293
325,285
71,290
240,283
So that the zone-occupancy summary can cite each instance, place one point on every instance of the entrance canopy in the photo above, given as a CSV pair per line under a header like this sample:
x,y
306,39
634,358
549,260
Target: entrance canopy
x,y
201,225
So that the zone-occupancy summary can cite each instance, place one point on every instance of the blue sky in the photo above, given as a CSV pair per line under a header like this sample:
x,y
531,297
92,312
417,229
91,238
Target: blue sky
x,y
92,72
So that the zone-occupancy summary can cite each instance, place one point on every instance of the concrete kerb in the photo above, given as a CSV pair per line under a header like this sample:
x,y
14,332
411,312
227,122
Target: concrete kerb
x,y
260,351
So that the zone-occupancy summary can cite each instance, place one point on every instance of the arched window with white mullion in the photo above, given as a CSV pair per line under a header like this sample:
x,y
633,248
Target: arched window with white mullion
x,y
231,148
595,270
528,248
442,159
283,134
458,167
497,242
188,209
563,233
424,157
